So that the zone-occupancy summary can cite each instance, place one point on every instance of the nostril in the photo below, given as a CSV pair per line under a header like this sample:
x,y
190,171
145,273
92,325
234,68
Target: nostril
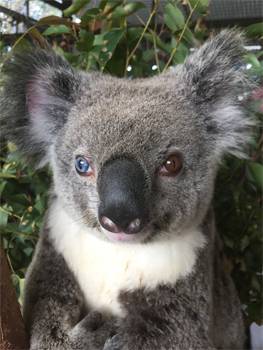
x,y
109,225
134,226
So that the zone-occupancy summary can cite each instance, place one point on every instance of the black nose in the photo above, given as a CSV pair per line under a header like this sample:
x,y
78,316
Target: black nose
x,y
122,188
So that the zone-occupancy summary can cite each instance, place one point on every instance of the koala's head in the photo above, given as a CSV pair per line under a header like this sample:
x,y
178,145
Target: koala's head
x,y
135,158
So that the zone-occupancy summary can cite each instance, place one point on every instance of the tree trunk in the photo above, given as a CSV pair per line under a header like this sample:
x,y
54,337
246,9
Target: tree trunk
x,y
12,331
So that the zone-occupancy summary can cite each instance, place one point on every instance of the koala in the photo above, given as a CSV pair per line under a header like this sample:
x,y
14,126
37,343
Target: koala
x,y
128,257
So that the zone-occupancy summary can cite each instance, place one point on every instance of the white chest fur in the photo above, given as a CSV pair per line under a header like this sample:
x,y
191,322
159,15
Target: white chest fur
x,y
103,268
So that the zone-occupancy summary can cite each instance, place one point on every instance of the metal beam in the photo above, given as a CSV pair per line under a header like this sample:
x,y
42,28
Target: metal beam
x,y
17,16
61,6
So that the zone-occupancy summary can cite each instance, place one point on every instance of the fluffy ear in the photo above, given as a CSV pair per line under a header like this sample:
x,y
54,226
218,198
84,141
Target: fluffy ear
x,y
39,89
213,77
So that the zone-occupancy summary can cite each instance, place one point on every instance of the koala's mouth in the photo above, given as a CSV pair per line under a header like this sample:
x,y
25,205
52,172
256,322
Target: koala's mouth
x,y
125,237
120,236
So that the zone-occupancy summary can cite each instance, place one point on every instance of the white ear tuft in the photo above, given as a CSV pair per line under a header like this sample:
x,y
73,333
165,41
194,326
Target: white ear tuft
x,y
233,129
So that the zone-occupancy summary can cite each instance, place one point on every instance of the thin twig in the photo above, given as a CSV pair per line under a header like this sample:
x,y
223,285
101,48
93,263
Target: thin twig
x,y
156,54
140,20
29,236
181,36
142,35
154,44
9,262
17,42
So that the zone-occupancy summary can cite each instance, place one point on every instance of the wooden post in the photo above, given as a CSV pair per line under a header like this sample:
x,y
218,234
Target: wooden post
x,y
12,330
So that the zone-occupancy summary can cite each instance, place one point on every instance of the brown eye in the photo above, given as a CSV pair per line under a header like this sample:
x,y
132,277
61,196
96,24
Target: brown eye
x,y
172,165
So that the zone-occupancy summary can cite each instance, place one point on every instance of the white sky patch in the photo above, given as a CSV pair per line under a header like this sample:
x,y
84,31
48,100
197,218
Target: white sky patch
x,y
253,47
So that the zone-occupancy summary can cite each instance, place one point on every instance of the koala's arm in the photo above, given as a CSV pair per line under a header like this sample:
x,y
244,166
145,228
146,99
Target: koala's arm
x,y
54,306
164,319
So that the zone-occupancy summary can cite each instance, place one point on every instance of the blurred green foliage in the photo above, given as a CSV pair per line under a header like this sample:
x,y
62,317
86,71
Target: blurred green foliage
x,y
104,39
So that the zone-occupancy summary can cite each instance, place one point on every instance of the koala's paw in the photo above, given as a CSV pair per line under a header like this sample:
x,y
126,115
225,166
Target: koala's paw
x,y
92,332
114,343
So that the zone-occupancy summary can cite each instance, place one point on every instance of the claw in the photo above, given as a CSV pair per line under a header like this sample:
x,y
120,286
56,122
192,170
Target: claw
x,y
113,343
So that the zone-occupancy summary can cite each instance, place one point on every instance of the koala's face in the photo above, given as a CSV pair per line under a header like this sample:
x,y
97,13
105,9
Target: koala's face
x,y
137,159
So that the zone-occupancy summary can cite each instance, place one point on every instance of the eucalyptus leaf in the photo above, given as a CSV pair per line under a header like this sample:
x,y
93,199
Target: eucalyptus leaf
x,y
85,42
151,37
180,54
2,186
56,30
173,17
21,286
3,217
90,15
7,176
75,7
201,6
255,30
54,20
105,44
148,55
127,10
252,58
256,170
133,34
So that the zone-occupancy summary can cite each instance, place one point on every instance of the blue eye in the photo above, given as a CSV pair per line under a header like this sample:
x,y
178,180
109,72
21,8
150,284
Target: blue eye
x,y
82,166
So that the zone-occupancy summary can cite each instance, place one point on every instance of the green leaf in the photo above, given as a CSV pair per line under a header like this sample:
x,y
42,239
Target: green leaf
x,y
54,20
244,243
40,204
103,3
56,30
133,7
255,30
112,38
7,176
86,40
89,15
21,285
99,40
189,37
3,217
200,6
36,35
105,45
11,147
148,55
2,186
75,7
173,17
252,58
256,170
133,34
127,10
180,54
28,251
159,43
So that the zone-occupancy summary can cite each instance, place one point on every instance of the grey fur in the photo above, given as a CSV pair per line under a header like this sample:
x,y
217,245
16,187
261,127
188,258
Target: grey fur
x,y
193,109
37,83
